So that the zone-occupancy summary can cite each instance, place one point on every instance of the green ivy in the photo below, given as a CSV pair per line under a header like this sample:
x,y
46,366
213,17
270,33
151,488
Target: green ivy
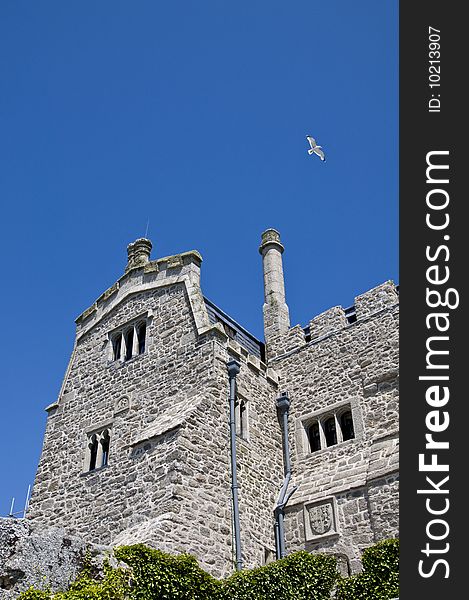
x,y
148,574
380,577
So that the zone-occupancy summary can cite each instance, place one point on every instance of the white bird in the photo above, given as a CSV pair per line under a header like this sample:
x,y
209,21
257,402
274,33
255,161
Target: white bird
x,y
315,149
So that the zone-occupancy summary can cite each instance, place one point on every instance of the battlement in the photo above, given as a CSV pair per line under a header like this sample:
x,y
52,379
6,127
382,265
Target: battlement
x,y
337,318
367,304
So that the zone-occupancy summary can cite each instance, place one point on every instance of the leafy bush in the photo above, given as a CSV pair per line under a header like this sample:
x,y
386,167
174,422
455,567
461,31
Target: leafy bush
x,y
155,575
151,574
158,575
33,594
380,577
299,576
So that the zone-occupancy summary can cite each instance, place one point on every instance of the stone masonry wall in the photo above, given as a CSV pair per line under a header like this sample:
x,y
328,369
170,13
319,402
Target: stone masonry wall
x,y
146,402
204,518
347,493
127,397
259,456
167,482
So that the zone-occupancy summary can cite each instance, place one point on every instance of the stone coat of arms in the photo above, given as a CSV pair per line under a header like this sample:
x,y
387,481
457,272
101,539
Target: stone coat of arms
x,y
320,518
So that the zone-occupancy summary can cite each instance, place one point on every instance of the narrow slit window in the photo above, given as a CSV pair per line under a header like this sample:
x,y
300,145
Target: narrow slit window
x,y
314,437
346,424
330,432
241,418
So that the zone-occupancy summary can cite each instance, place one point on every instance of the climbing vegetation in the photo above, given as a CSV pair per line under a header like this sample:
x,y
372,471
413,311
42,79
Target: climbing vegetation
x,y
147,574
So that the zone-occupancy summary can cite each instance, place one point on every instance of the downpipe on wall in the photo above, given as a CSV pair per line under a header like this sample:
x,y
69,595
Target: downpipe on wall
x,y
233,367
283,406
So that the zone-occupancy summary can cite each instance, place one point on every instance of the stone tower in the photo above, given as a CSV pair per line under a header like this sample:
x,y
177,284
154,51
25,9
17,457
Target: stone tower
x,y
137,445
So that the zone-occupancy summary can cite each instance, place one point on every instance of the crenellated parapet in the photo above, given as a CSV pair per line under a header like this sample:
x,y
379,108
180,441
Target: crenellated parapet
x,y
280,338
378,298
330,320
284,343
367,305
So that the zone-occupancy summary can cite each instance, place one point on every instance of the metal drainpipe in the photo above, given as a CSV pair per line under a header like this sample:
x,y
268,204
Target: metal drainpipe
x,y
283,405
233,367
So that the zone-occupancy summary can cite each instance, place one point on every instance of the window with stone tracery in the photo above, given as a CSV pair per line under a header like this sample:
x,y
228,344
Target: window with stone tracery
x,y
329,429
128,341
97,450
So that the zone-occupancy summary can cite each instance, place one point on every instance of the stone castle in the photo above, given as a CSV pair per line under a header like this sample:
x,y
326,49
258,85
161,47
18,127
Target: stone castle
x,y
176,427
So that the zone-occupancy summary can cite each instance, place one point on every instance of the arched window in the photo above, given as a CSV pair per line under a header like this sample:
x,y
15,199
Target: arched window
x,y
97,452
332,427
105,440
314,437
93,446
129,340
346,425
330,431
141,335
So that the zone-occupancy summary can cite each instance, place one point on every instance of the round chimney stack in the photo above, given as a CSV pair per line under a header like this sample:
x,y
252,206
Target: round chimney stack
x,y
138,253
270,238
272,249
276,315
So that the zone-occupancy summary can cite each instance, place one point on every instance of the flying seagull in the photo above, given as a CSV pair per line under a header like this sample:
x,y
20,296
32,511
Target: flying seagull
x,y
315,149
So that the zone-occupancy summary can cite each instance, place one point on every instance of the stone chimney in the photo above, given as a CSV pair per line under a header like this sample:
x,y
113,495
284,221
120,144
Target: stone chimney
x,y
138,253
276,315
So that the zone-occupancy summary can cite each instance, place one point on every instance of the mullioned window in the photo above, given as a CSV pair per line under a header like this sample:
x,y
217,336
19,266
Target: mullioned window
x,y
128,341
97,450
328,428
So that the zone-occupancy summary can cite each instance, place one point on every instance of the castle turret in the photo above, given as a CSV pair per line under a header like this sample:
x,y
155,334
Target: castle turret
x,y
276,315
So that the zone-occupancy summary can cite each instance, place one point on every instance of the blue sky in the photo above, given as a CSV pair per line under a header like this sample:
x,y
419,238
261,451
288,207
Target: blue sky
x,y
191,115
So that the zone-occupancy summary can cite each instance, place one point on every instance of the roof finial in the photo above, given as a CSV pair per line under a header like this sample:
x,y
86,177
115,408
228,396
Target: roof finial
x,y
138,253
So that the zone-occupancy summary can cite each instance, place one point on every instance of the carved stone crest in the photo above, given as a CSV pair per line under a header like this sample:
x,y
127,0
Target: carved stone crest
x,y
121,405
320,518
